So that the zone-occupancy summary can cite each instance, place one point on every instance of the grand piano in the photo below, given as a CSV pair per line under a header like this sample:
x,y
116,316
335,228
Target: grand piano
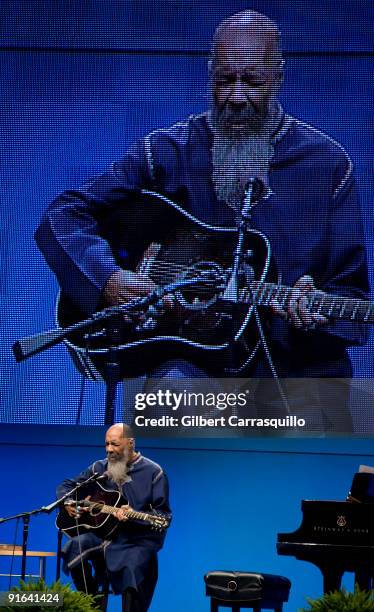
x,y
337,536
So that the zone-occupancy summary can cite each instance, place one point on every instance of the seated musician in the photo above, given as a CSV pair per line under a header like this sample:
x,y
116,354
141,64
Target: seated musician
x,y
309,212
128,556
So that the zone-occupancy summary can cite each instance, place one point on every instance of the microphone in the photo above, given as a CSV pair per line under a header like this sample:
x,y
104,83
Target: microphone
x,y
93,478
97,476
254,189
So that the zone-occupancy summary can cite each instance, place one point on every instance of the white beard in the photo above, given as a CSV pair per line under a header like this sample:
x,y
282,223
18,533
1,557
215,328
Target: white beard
x,y
235,161
238,157
117,470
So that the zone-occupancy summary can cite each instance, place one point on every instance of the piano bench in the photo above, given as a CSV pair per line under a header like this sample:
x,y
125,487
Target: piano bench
x,y
238,590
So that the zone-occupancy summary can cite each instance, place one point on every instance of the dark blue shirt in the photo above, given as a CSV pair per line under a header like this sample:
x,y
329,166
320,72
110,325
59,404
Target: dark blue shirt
x,y
129,553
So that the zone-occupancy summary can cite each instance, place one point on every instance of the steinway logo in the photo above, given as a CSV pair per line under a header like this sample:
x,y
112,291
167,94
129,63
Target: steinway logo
x,y
341,527
341,521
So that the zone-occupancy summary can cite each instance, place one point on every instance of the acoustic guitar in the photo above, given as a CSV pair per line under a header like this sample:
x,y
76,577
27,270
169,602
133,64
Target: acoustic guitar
x,y
100,516
170,246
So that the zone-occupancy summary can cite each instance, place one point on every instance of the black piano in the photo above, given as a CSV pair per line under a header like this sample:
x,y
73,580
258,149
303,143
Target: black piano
x,y
337,536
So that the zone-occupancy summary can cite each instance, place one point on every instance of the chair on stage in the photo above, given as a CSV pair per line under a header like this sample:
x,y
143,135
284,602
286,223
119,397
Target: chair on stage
x,y
237,590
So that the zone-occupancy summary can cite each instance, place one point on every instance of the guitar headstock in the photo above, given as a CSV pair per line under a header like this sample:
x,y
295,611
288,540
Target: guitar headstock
x,y
158,522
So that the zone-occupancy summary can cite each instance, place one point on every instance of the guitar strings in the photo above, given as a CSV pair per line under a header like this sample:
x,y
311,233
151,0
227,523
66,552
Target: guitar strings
x,y
172,270
168,272
165,272
159,267
165,265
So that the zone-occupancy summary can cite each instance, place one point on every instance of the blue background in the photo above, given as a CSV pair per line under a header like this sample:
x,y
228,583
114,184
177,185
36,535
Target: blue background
x,y
79,82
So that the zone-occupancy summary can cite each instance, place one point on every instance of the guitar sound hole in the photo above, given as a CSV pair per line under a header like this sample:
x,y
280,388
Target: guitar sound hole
x,y
201,296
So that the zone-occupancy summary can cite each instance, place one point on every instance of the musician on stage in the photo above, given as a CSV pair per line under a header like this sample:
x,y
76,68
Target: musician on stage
x,y
128,558
308,210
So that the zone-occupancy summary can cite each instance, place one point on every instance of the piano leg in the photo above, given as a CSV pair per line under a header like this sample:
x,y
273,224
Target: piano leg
x,y
332,578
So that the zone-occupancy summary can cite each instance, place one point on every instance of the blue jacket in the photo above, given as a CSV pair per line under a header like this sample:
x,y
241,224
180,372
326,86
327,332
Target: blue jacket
x,y
133,548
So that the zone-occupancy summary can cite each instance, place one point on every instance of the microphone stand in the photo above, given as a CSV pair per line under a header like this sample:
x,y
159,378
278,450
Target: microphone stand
x,y
253,189
232,290
27,347
112,368
25,516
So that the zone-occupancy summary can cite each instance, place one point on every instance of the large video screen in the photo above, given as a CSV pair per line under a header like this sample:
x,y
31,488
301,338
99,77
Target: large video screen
x,y
215,193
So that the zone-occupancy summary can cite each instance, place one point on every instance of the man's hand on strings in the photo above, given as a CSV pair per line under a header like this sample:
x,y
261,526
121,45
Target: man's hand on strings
x,y
124,286
296,310
121,513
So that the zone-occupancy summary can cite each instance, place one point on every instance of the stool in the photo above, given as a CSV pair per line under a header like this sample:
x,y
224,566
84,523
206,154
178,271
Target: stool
x,y
8,550
238,590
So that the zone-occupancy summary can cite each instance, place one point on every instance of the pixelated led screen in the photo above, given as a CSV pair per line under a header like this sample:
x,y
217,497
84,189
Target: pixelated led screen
x,y
75,99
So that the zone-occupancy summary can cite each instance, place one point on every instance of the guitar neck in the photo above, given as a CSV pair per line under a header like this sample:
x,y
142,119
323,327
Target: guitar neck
x,y
330,306
140,516
132,514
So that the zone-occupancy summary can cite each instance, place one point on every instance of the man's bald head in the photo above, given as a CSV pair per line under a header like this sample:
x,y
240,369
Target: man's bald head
x,y
119,442
121,430
249,27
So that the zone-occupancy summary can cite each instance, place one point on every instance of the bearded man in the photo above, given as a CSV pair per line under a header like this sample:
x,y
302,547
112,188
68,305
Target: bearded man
x,y
308,211
129,558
